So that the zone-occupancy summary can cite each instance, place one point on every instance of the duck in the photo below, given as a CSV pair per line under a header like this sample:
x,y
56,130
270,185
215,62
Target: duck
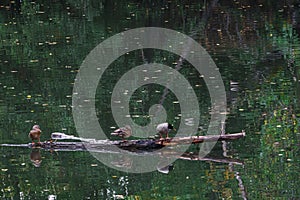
x,y
164,129
124,132
35,134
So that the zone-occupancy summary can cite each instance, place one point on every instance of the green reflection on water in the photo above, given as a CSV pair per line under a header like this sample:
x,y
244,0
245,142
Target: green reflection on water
x,y
255,44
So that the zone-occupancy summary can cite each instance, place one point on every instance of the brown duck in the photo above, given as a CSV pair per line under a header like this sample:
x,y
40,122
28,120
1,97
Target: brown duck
x,y
35,133
123,132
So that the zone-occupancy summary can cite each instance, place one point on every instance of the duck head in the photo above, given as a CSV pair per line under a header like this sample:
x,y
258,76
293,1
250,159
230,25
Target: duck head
x,y
36,127
170,126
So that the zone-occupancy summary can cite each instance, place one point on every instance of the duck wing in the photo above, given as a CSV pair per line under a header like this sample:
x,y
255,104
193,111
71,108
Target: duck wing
x,y
162,128
34,134
118,132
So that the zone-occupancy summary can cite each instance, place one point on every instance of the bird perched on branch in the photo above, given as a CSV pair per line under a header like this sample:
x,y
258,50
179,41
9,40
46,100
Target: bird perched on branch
x,y
123,132
35,134
164,129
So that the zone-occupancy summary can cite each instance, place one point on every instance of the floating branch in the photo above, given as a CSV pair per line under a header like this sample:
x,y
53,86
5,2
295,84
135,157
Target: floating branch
x,y
206,138
137,147
178,141
143,144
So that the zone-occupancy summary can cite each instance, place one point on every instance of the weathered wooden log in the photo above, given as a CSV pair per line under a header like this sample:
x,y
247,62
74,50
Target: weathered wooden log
x,y
201,139
144,144
178,140
134,147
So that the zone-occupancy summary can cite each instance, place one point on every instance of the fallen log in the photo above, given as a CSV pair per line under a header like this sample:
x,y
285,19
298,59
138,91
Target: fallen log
x,y
133,145
144,147
179,140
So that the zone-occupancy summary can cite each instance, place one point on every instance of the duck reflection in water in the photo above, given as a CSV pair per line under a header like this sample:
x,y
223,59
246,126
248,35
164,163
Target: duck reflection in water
x,y
165,169
124,162
164,166
35,157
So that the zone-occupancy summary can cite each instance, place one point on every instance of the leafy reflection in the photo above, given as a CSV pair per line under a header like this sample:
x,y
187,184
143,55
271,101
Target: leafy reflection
x,y
255,44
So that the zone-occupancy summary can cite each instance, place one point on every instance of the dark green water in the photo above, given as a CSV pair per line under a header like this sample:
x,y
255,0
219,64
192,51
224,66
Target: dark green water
x,y
255,44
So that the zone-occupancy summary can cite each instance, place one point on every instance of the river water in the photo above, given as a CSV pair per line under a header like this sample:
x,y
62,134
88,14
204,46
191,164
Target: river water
x,y
255,46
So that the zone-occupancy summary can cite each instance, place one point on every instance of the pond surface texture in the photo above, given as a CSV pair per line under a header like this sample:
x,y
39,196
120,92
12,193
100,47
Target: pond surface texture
x,y
255,45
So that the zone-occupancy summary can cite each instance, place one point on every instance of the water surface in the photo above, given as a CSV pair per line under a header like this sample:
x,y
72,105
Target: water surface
x,y
255,46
